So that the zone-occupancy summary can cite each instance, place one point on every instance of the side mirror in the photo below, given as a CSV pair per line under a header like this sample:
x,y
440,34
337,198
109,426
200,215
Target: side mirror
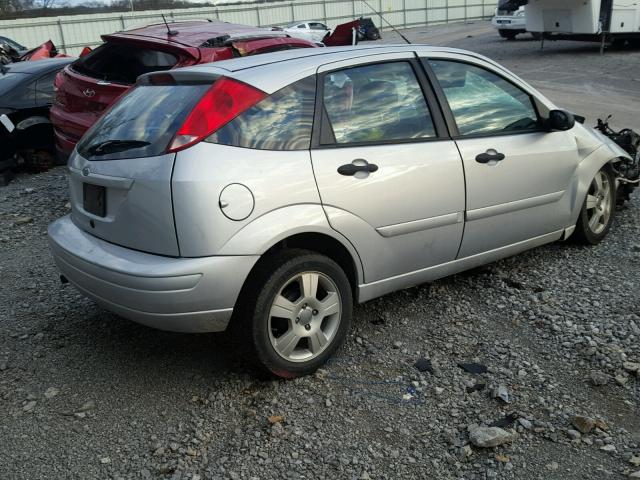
x,y
560,120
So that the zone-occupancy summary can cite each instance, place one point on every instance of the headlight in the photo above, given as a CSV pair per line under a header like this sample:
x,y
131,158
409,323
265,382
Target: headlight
x,y
519,13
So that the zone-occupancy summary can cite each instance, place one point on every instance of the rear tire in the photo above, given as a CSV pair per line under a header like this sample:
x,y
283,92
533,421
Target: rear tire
x,y
596,215
508,34
295,312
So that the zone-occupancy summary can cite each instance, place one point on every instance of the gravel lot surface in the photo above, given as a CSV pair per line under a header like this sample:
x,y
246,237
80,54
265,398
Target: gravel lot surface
x,y
85,394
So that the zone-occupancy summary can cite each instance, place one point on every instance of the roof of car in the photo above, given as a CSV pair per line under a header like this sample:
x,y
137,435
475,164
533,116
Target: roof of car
x,y
195,33
272,71
35,67
322,55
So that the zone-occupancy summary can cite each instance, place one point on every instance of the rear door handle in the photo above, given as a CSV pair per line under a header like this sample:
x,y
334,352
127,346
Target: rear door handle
x,y
359,165
490,155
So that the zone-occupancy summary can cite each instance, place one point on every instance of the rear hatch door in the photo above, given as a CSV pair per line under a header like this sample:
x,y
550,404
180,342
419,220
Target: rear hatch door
x,y
120,179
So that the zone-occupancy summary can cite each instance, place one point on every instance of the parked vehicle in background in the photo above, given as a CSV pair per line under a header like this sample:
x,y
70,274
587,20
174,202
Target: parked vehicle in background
x,y
367,30
44,51
343,35
233,192
588,20
13,45
26,95
312,31
88,86
509,19
8,54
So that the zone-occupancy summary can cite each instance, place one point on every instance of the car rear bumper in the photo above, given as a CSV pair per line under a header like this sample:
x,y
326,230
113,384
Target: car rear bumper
x,y
64,146
176,294
509,23
69,127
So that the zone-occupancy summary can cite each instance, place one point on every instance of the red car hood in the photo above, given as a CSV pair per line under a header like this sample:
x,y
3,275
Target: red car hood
x,y
46,50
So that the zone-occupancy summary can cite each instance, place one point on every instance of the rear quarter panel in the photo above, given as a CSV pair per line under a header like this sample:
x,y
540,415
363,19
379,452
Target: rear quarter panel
x,y
275,179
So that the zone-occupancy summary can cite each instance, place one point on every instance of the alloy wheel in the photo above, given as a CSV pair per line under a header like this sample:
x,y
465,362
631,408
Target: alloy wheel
x,y
305,316
599,203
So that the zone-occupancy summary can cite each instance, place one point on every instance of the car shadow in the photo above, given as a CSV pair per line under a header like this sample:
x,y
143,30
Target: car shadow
x,y
112,345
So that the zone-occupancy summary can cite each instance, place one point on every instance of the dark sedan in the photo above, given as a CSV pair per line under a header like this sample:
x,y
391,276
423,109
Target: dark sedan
x,y
26,94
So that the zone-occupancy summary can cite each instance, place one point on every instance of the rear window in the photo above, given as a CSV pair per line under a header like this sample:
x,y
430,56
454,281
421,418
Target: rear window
x,y
282,121
142,123
123,63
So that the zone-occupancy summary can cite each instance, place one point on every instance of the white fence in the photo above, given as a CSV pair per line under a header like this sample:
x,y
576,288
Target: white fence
x,y
71,33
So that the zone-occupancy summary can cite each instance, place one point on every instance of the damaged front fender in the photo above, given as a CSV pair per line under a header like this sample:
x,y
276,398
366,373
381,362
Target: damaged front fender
x,y
607,153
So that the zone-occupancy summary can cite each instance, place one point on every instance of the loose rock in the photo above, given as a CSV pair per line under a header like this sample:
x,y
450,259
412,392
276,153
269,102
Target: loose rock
x,y
488,437
584,424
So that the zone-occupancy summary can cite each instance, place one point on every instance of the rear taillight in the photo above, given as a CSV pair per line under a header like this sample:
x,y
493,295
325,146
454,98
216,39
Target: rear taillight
x,y
57,81
223,102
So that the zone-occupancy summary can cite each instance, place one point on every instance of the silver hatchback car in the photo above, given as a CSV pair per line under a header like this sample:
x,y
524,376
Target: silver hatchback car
x,y
272,192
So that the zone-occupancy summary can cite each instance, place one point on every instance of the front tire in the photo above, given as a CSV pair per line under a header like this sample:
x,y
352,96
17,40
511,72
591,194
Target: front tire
x,y
597,211
297,312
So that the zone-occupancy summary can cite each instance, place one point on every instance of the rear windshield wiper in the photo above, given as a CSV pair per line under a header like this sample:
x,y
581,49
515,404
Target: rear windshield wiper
x,y
113,146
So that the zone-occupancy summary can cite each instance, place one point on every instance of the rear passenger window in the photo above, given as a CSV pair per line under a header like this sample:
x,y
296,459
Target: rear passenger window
x,y
282,121
376,103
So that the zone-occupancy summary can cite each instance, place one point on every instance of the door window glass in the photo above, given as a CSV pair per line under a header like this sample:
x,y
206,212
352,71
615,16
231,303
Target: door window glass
x,y
483,102
376,103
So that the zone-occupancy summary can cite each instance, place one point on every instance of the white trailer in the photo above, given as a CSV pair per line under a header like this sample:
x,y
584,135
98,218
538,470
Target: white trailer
x,y
615,21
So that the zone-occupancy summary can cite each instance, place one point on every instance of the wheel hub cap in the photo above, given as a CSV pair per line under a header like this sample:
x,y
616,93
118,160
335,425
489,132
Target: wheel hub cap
x,y
305,316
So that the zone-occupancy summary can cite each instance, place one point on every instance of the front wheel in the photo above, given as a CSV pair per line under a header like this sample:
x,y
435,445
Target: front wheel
x,y
299,312
597,211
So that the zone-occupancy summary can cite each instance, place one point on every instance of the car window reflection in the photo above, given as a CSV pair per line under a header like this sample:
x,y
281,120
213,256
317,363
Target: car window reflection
x,y
282,121
482,102
376,103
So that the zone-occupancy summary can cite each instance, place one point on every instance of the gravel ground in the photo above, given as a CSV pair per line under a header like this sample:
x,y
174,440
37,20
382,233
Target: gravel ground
x,y
85,394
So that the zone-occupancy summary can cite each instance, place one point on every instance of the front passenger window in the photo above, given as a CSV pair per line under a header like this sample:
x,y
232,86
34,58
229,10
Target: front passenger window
x,y
376,103
483,102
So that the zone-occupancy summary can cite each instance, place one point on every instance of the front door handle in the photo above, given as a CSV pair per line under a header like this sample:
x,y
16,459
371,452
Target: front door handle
x,y
489,156
359,165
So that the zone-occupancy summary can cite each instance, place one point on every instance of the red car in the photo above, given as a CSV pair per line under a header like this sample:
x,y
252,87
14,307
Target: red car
x,y
88,86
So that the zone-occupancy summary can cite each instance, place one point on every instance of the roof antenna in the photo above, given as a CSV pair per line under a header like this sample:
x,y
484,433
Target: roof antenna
x,y
383,19
170,32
